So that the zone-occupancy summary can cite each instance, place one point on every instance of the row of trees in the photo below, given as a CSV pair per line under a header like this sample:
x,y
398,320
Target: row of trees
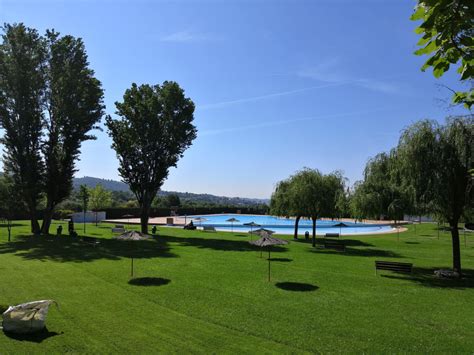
x,y
50,100
429,172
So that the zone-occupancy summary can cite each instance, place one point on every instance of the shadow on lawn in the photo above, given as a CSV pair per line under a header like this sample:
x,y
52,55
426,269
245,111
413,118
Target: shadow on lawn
x,y
221,244
296,286
149,281
369,252
73,249
37,337
426,277
347,242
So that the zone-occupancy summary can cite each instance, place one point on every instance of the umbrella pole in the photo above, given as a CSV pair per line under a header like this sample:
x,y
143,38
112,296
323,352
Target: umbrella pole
x,y
132,268
269,263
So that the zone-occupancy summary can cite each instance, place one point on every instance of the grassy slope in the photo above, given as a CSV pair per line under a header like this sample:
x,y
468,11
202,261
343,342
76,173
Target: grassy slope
x,y
217,297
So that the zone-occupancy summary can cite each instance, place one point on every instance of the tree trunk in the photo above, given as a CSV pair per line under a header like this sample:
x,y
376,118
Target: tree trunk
x,y
35,227
47,218
295,236
456,248
144,216
314,231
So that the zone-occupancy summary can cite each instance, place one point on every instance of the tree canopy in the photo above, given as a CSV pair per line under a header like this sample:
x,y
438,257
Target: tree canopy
x,y
152,132
448,39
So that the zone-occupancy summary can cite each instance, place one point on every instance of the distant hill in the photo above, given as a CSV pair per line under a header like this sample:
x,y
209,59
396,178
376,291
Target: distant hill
x,y
184,196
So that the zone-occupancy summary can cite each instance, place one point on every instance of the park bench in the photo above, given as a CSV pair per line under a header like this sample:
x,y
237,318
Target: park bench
x,y
90,240
331,235
208,229
393,266
334,244
119,228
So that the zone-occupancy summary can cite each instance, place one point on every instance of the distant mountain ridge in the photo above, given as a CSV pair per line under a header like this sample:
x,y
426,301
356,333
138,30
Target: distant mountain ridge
x,y
188,196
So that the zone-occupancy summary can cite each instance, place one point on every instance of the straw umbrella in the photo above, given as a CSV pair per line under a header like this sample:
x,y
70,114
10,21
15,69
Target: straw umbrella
x,y
251,225
232,220
262,232
340,225
267,241
199,219
132,236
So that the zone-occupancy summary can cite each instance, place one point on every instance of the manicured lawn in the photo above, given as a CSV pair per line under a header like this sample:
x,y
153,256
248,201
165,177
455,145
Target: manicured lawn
x,y
208,292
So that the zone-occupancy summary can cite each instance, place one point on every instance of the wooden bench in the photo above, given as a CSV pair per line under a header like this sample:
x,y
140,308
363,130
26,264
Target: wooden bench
x,y
90,240
331,235
208,229
119,228
393,266
334,244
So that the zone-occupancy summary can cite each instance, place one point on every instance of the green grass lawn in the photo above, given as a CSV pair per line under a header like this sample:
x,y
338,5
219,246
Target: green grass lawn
x,y
208,292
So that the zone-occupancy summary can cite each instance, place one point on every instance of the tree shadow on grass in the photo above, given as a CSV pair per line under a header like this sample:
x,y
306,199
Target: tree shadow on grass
x,y
426,277
296,286
367,252
64,249
282,260
412,242
220,244
347,242
149,281
37,337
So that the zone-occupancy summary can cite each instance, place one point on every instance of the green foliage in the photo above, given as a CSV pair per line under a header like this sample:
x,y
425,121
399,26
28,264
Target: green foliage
x,y
84,195
448,39
49,101
435,161
152,132
99,198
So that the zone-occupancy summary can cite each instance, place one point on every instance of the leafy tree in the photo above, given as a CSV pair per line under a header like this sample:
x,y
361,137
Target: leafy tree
x,y
9,202
22,92
153,131
448,39
73,101
99,198
84,196
435,160
172,200
49,101
281,203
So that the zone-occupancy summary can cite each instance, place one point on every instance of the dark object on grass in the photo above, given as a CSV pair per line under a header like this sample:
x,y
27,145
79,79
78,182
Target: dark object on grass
x,y
393,266
154,229
190,226
296,286
70,226
334,244
267,241
446,274
306,235
149,281
331,235
132,236
59,230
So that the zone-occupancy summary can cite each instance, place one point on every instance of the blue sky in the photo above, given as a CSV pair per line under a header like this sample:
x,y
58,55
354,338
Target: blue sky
x,y
278,85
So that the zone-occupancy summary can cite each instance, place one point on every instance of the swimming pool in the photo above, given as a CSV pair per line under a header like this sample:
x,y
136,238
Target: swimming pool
x,y
283,225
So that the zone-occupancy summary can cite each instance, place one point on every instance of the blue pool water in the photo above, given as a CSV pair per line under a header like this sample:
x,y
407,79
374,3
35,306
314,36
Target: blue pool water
x,y
285,225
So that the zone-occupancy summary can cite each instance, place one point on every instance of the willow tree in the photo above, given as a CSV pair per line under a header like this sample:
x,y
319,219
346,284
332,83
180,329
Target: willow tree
x,y
154,128
281,203
436,160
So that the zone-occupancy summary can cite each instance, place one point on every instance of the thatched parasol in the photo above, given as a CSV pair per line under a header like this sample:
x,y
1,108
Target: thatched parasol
x,y
267,241
132,236
251,225
232,220
340,225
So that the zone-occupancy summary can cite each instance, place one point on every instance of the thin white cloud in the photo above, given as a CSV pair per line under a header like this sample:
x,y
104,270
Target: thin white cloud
x,y
266,96
290,121
329,71
188,36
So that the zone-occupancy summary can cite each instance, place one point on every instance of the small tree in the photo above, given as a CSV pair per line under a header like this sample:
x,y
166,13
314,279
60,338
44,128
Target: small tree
x,y
84,196
152,132
99,198
436,161
10,202
281,203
